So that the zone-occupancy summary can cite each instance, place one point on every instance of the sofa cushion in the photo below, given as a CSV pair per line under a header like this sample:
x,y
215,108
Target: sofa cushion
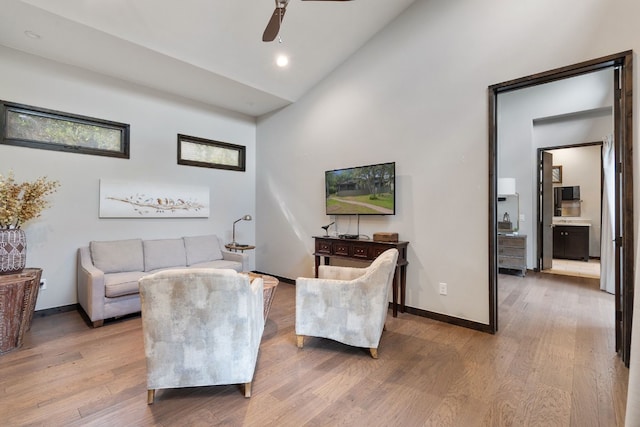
x,y
118,255
120,284
202,249
164,253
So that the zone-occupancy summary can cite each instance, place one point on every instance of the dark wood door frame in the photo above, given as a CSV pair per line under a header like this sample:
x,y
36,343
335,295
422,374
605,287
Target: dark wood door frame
x,y
624,140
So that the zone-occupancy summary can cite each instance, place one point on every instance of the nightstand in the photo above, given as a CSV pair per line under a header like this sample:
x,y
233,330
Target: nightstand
x,y
512,252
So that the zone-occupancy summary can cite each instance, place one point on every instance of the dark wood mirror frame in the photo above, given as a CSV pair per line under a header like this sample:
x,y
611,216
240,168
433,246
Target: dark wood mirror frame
x,y
623,118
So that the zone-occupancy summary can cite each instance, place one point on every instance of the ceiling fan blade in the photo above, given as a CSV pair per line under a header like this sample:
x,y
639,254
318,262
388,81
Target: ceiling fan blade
x,y
273,27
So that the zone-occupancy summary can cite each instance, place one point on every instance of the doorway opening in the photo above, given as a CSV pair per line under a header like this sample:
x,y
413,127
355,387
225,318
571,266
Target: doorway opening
x,y
569,235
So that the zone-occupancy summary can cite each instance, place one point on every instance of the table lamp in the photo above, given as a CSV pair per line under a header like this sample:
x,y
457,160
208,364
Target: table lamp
x,y
244,218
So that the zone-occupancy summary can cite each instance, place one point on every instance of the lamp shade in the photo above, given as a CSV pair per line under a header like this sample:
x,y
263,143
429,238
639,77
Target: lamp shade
x,y
506,186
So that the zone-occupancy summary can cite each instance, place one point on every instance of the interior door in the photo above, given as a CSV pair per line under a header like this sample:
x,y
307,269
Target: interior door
x,y
546,211
623,323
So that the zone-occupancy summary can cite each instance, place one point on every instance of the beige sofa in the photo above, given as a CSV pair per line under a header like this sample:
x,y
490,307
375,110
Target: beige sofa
x,y
108,271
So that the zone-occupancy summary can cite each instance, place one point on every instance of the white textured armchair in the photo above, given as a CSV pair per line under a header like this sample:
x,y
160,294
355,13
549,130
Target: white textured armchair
x,y
346,304
201,327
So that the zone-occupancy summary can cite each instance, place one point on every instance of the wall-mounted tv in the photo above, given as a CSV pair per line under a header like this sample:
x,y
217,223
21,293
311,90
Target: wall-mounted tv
x,y
361,190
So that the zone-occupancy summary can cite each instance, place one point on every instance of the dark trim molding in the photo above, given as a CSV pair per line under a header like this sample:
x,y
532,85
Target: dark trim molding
x,y
56,310
449,319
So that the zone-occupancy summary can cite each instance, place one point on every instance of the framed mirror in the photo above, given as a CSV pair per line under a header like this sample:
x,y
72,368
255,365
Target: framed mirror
x,y
556,174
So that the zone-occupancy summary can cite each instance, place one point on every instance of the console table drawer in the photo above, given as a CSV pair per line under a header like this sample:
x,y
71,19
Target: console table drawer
x,y
340,248
323,247
361,252
377,250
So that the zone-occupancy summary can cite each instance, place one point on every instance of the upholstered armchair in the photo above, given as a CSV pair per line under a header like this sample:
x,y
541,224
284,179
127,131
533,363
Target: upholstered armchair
x,y
346,304
201,327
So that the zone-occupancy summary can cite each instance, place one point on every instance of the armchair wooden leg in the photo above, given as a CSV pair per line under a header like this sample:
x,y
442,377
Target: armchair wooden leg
x,y
300,340
247,389
151,394
374,352
98,323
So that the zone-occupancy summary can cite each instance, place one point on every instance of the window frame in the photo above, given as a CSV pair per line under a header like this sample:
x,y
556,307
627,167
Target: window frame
x,y
6,107
241,149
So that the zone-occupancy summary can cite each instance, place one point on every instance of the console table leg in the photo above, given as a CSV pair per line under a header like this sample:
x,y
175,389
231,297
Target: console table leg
x,y
403,286
396,276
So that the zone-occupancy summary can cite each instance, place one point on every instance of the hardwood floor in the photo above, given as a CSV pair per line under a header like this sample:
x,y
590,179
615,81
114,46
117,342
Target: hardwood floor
x,y
551,364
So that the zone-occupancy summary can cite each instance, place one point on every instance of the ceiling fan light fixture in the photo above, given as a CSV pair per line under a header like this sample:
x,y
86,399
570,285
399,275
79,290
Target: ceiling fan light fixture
x,y
273,26
282,61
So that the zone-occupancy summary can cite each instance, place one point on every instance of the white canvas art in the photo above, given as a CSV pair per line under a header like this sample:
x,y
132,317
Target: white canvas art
x,y
126,199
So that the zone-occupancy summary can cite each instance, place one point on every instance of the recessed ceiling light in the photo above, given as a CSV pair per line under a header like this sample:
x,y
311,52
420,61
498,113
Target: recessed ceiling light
x,y
32,35
282,61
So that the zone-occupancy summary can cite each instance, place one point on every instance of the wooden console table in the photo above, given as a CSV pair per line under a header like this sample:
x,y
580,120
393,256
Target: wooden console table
x,y
365,250
18,295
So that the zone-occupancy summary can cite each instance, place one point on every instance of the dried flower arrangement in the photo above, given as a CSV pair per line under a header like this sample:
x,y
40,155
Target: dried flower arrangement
x,y
21,202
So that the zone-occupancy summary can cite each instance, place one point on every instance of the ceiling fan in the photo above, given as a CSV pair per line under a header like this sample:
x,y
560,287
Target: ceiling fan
x,y
273,27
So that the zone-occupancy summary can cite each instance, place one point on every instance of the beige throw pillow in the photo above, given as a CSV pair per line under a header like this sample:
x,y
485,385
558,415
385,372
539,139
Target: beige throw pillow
x,y
118,255
164,253
202,249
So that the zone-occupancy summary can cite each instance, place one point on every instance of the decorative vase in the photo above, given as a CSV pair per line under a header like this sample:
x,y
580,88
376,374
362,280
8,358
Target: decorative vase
x,y
13,250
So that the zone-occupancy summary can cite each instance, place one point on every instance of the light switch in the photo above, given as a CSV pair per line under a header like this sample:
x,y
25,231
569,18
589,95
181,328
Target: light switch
x,y
521,217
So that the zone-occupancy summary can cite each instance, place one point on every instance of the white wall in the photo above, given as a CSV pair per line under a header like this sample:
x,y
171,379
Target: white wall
x,y
155,121
417,94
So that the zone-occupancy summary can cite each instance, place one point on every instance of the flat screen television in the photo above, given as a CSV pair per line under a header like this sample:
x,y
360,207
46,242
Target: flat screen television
x,y
361,190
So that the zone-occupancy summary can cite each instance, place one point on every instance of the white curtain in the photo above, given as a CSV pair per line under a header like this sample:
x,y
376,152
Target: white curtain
x,y
607,248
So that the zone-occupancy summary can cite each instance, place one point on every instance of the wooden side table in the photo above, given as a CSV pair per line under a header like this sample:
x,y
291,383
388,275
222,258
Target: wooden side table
x,y
18,296
241,248
269,291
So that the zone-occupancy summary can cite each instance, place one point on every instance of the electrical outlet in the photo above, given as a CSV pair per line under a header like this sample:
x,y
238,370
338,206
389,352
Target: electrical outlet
x,y
43,284
443,288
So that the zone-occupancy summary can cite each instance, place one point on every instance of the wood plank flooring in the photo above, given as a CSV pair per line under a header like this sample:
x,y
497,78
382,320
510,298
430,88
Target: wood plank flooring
x,y
551,364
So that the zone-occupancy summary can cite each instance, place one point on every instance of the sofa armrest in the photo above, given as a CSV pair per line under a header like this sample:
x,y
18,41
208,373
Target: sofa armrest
x,y
240,257
91,289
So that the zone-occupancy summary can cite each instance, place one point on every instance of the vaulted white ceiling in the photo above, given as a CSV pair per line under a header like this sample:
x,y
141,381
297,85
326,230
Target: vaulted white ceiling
x,y
210,51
